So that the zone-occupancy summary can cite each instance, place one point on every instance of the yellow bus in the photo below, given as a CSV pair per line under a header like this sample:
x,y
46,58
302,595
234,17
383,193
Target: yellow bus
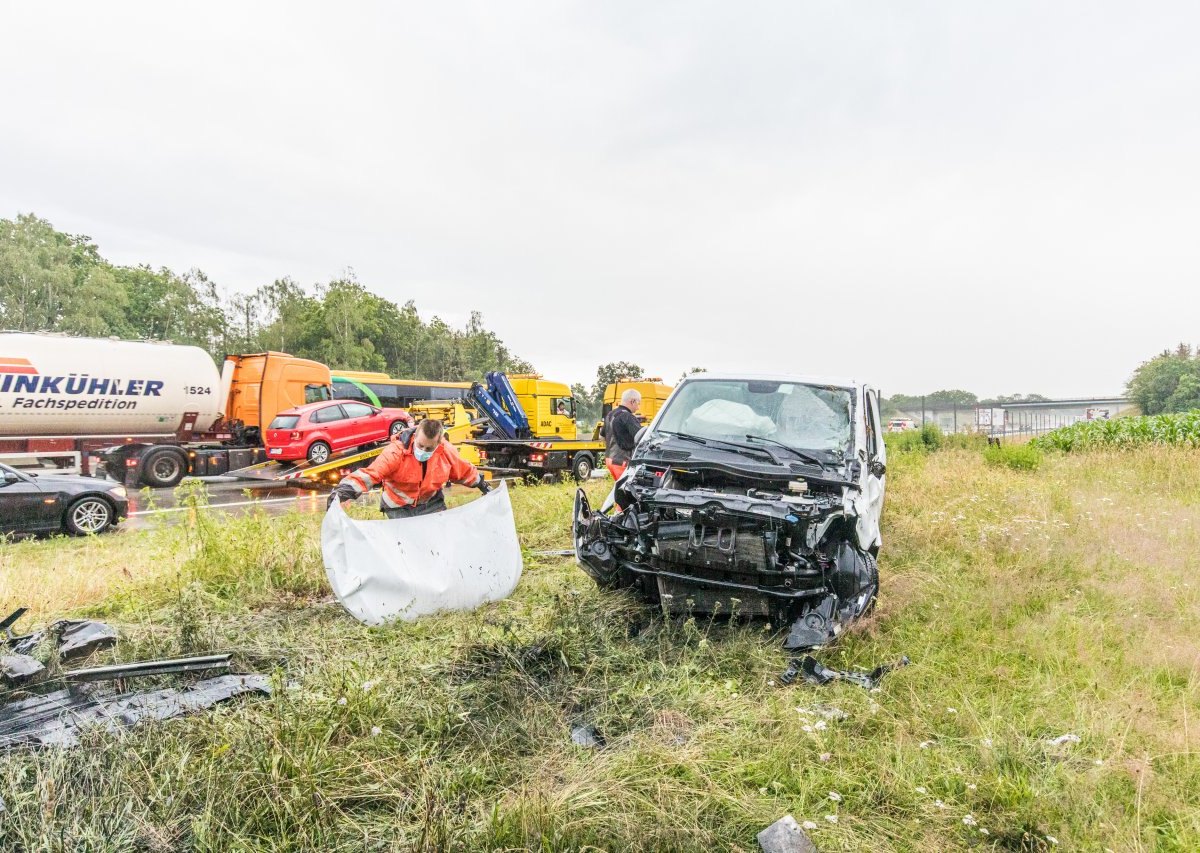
x,y
379,389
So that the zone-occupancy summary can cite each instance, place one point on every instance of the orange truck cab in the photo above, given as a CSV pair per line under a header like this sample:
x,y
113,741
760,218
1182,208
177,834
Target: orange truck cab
x,y
258,387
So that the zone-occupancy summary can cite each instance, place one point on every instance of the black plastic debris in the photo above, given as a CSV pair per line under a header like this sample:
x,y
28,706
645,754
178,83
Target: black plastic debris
x,y
785,836
57,718
78,639
17,669
815,672
587,736
21,644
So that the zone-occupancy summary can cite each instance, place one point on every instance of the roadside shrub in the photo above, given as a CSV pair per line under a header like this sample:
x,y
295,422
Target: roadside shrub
x,y
924,440
1182,430
965,440
1019,457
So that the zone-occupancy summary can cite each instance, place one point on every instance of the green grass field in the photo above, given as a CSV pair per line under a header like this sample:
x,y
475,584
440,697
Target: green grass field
x,y
1033,604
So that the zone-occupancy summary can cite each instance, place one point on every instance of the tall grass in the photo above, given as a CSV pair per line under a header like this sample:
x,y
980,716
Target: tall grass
x,y
1174,430
1033,605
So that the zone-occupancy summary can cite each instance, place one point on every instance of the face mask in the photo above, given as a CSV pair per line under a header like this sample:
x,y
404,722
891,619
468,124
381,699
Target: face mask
x,y
422,455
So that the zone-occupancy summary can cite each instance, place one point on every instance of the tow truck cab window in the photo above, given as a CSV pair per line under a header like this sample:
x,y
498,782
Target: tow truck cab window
x,y
564,406
315,393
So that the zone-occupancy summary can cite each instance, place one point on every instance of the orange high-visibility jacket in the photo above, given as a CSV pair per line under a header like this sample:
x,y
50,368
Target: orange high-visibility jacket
x,y
399,472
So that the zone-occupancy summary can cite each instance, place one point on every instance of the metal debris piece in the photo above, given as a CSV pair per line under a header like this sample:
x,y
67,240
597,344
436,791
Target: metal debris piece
x,y
1063,739
815,672
140,669
24,643
79,638
57,718
562,552
825,712
11,619
587,736
785,836
17,669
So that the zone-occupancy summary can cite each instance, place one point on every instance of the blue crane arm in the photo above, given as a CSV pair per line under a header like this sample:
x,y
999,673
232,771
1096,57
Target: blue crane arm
x,y
487,405
501,390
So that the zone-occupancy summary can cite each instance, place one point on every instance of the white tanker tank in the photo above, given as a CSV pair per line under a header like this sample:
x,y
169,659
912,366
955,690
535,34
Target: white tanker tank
x,y
55,385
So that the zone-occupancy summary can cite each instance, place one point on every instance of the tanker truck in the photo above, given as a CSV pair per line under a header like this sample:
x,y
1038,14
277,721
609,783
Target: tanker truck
x,y
152,412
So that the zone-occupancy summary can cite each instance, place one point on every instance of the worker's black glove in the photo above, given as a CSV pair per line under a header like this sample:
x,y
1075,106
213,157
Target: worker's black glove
x,y
344,492
483,485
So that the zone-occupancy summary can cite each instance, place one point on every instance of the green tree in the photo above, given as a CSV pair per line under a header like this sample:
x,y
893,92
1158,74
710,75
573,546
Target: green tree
x,y
606,374
1169,382
52,281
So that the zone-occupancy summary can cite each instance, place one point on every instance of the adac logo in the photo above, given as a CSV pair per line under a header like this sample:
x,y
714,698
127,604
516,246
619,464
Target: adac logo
x,y
17,365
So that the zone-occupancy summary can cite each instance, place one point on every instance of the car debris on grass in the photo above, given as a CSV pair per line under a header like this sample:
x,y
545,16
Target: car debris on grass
x,y
815,672
95,697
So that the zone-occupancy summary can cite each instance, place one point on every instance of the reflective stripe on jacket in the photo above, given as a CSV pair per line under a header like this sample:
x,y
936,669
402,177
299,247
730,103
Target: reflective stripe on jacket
x,y
399,473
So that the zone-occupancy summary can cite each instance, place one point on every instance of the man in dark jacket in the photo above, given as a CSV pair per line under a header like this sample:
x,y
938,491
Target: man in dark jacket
x,y
620,430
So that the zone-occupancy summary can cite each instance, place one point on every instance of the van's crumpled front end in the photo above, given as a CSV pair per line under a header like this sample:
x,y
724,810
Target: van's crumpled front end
x,y
733,522
757,552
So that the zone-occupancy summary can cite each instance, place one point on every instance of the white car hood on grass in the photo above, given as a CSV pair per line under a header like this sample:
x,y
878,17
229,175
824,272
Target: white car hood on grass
x,y
408,567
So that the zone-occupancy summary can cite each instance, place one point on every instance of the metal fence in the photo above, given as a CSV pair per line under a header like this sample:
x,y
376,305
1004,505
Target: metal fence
x,y
1002,424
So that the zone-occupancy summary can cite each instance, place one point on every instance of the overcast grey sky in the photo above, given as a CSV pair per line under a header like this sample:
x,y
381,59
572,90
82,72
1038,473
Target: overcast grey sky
x,y
1001,197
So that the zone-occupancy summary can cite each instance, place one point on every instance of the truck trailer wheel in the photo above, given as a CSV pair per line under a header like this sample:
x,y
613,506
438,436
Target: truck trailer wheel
x,y
164,468
582,466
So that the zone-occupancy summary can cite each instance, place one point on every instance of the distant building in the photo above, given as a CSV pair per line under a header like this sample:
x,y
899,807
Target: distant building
x,y
1021,417
1044,415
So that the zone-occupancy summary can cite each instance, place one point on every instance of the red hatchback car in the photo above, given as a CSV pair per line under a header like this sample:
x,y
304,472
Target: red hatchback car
x,y
318,430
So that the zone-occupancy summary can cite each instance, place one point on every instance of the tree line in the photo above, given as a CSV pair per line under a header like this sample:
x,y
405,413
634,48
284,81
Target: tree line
x,y
58,282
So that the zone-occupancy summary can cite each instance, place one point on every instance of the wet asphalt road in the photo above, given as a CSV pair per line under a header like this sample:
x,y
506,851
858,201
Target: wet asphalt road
x,y
225,495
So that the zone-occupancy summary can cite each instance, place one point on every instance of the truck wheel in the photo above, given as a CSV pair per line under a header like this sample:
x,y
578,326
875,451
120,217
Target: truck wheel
x,y
88,515
318,453
163,468
582,466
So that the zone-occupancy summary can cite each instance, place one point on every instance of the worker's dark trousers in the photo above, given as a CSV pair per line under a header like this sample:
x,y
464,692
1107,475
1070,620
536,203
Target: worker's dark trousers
x,y
437,503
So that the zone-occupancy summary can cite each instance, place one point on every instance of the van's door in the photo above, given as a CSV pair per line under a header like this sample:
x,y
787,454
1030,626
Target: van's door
x,y
874,475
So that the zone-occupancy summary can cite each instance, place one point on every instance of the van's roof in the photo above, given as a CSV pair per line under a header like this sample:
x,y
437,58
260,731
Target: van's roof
x,y
820,381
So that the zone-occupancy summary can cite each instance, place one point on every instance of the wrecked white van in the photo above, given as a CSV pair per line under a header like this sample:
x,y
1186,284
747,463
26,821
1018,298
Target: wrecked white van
x,y
749,495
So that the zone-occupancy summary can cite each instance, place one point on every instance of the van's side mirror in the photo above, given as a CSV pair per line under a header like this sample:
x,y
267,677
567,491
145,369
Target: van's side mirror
x,y
640,434
10,478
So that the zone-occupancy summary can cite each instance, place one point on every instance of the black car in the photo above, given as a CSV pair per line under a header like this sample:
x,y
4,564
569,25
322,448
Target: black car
x,y
76,505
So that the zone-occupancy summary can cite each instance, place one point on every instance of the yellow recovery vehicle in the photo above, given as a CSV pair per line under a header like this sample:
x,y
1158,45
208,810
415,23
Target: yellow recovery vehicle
x,y
532,429
654,394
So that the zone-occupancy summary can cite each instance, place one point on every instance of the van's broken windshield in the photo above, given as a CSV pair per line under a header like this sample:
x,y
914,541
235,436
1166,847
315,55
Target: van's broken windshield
x,y
806,417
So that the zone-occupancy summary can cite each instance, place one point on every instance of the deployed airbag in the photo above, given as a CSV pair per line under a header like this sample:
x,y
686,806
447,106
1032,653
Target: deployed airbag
x,y
408,567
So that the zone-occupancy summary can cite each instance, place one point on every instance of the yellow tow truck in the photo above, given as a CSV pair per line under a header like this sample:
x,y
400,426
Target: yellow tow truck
x,y
654,394
532,429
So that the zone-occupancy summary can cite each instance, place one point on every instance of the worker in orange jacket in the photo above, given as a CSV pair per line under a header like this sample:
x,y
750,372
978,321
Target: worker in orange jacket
x,y
412,470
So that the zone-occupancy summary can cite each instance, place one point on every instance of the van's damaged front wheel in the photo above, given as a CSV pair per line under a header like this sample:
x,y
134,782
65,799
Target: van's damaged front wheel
x,y
592,552
854,586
